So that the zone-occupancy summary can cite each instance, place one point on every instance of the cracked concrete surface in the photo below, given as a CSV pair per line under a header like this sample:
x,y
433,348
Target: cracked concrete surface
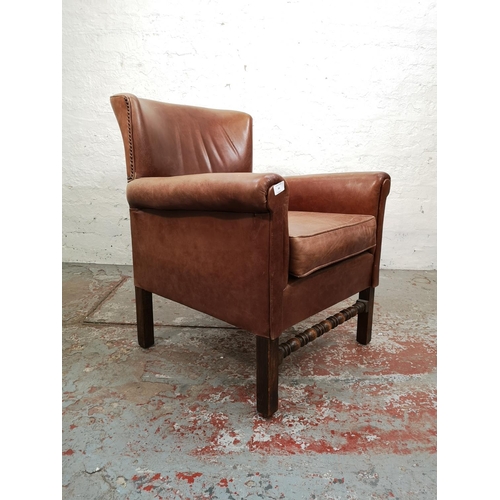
x,y
178,421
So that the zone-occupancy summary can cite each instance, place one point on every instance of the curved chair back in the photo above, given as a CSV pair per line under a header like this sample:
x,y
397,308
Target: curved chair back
x,y
163,140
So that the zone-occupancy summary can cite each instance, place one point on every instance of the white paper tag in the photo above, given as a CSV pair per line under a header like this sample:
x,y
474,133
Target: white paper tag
x,y
279,188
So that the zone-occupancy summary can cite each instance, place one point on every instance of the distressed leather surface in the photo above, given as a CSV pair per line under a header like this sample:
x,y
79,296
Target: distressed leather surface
x,y
306,296
320,239
226,192
214,262
209,234
163,139
347,193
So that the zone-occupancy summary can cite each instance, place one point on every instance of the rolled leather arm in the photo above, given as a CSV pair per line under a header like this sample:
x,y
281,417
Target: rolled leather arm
x,y
219,192
350,193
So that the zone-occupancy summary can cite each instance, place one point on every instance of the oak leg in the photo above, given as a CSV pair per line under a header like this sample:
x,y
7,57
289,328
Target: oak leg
x,y
144,309
267,376
364,332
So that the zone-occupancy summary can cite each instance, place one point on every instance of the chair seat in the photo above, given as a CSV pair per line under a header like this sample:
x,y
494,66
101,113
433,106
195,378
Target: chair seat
x,y
319,239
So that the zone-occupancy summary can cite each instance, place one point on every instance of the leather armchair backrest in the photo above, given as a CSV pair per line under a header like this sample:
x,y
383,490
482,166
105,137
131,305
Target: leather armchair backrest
x,y
163,140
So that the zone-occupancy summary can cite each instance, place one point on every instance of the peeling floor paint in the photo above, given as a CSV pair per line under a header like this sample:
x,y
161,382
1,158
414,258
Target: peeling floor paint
x,y
176,422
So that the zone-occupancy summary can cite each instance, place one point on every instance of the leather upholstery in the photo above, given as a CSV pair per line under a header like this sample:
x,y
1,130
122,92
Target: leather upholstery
x,y
226,192
342,193
208,233
214,262
318,240
306,296
255,250
348,193
163,139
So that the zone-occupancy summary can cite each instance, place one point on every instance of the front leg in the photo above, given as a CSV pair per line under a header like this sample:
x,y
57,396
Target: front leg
x,y
267,375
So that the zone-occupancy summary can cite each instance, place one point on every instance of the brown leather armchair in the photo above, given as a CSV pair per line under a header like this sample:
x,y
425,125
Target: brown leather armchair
x,y
256,250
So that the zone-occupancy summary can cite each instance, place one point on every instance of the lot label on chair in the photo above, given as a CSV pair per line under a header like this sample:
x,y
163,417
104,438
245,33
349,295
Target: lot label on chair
x,y
279,188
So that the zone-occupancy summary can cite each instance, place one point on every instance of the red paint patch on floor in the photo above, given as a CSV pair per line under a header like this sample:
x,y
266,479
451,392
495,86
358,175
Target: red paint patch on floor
x,y
398,442
285,444
223,483
188,477
410,358
239,394
68,452
415,406
415,358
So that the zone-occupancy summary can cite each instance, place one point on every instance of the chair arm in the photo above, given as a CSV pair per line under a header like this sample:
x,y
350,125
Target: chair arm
x,y
217,192
351,192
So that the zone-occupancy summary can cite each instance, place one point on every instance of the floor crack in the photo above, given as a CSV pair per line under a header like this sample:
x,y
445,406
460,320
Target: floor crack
x,y
106,297
97,469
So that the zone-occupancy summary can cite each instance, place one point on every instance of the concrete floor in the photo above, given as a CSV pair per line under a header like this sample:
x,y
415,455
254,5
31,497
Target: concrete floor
x,y
178,421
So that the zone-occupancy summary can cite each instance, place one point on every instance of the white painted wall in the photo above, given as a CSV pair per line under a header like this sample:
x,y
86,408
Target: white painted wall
x,y
332,86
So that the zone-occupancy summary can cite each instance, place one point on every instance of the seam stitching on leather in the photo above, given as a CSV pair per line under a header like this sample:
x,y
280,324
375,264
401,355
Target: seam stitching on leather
x,y
326,231
130,143
378,243
317,268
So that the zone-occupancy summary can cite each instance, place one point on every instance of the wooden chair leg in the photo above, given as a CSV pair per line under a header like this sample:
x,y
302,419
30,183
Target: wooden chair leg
x,y
364,332
144,310
267,376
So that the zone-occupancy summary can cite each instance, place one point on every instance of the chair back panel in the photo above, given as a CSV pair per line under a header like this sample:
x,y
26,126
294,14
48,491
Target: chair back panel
x,y
163,140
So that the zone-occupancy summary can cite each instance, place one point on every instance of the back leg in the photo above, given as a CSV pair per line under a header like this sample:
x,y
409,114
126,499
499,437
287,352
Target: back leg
x,y
364,332
144,310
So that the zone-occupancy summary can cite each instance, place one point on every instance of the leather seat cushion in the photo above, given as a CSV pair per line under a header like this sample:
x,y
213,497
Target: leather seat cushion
x,y
319,239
